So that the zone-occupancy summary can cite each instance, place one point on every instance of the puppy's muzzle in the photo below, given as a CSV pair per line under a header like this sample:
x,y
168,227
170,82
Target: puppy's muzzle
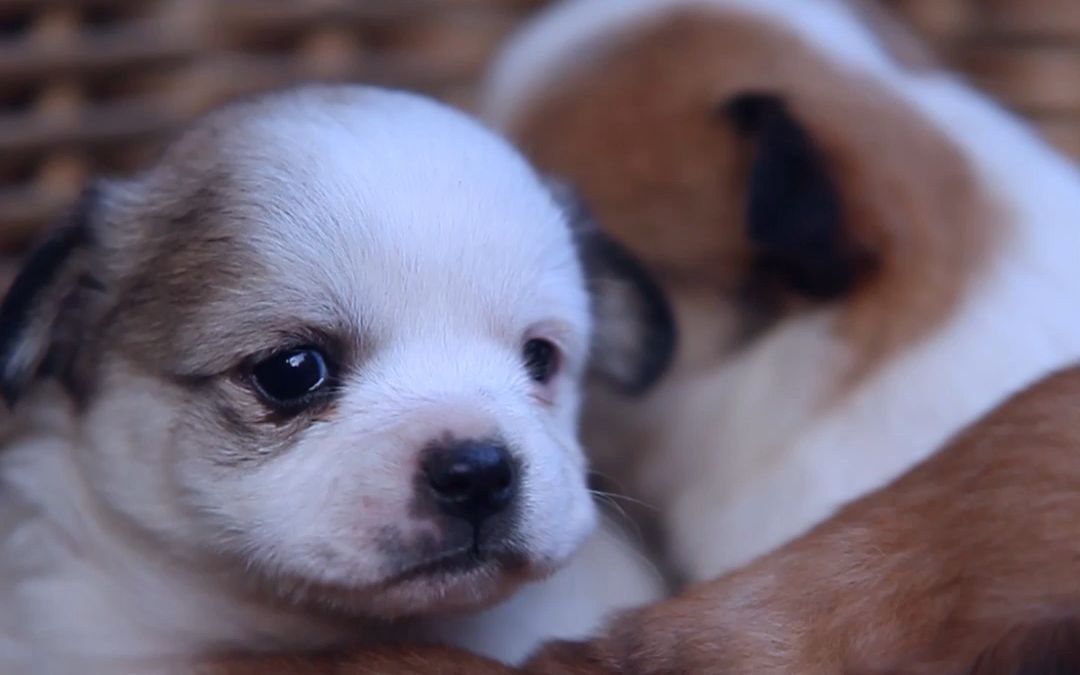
x,y
471,480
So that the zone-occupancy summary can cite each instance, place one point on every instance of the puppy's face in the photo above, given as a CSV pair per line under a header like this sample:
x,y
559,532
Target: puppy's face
x,y
334,340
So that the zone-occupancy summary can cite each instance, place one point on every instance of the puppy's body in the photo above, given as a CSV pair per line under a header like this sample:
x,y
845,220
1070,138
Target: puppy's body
x,y
944,224
316,381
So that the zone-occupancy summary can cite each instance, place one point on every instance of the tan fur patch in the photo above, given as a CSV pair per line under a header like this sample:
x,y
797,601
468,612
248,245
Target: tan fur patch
x,y
637,131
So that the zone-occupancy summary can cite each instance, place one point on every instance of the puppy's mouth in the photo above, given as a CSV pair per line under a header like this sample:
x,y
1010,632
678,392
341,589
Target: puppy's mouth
x,y
465,561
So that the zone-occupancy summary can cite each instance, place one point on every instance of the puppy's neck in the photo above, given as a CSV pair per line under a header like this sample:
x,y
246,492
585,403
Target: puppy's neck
x,y
76,568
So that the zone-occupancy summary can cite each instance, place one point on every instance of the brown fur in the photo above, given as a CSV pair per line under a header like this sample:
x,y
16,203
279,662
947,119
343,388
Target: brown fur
x,y
668,176
967,564
396,661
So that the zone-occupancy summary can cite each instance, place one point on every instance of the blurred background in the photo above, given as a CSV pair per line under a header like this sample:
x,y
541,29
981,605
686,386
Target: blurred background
x,y
90,86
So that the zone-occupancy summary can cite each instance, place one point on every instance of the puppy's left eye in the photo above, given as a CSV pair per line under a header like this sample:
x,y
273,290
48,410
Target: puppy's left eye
x,y
287,377
541,359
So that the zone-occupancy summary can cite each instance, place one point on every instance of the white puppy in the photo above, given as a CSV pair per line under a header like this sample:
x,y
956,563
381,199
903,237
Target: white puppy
x,y
312,375
864,253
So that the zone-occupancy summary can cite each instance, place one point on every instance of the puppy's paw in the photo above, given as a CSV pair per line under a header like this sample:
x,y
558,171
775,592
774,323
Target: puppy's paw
x,y
684,636
402,660
633,645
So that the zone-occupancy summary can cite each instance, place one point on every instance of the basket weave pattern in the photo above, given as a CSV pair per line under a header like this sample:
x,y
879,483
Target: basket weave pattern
x,y
90,86
1026,52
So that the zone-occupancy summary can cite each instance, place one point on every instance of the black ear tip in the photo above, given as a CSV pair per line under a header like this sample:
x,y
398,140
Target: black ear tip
x,y
37,296
634,327
655,347
661,343
662,353
10,394
750,110
11,386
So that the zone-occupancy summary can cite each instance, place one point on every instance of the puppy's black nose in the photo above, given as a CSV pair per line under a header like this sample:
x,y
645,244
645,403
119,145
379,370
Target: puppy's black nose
x,y
472,480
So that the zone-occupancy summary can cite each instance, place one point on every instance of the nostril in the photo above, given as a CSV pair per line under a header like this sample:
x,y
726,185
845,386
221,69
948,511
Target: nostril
x,y
504,477
471,480
456,478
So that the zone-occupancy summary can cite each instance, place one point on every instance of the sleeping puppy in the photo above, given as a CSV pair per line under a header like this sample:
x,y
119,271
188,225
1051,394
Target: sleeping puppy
x,y
311,376
966,564
864,254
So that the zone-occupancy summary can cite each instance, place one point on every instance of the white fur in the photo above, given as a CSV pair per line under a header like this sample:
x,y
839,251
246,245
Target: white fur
x,y
124,547
611,574
742,462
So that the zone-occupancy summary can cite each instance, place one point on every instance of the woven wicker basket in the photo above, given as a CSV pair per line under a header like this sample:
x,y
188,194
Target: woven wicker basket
x,y
90,85
1026,52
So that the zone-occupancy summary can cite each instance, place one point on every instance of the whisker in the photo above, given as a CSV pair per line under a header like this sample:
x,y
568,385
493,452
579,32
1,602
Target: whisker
x,y
637,553
606,498
632,524
625,498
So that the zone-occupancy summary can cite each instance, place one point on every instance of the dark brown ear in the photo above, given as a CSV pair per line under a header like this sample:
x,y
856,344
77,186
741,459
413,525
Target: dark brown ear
x,y
633,327
39,316
794,212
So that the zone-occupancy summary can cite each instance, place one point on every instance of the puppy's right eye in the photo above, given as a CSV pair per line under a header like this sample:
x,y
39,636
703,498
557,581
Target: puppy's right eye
x,y
291,376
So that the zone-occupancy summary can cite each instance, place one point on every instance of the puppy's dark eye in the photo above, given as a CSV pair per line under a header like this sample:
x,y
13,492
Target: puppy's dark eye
x,y
541,359
288,376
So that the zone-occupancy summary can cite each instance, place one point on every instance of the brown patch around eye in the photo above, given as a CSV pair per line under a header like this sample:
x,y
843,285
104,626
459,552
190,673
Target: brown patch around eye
x,y
320,409
235,426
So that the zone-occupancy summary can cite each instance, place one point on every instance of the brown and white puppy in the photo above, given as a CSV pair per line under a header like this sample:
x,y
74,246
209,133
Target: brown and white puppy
x,y
968,564
864,253
311,376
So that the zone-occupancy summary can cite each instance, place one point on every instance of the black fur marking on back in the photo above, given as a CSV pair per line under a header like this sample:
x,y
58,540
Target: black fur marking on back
x,y
794,212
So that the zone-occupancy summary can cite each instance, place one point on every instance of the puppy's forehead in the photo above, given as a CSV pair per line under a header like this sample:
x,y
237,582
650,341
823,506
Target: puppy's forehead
x,y
350,203
384,170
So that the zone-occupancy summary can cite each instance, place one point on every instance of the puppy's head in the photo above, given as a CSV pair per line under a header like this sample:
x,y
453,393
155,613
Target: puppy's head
x,y
333,341
760,157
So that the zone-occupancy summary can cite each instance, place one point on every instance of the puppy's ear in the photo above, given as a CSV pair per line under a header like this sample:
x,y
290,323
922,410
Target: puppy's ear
x,y
633,327
38,316
794,212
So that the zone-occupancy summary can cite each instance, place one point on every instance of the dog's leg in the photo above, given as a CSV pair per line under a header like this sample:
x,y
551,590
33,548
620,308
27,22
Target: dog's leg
x,y
976,552
391,660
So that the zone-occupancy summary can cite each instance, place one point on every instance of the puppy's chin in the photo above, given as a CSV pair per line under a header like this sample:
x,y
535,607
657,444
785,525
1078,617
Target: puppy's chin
x,y
445,566
456,581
